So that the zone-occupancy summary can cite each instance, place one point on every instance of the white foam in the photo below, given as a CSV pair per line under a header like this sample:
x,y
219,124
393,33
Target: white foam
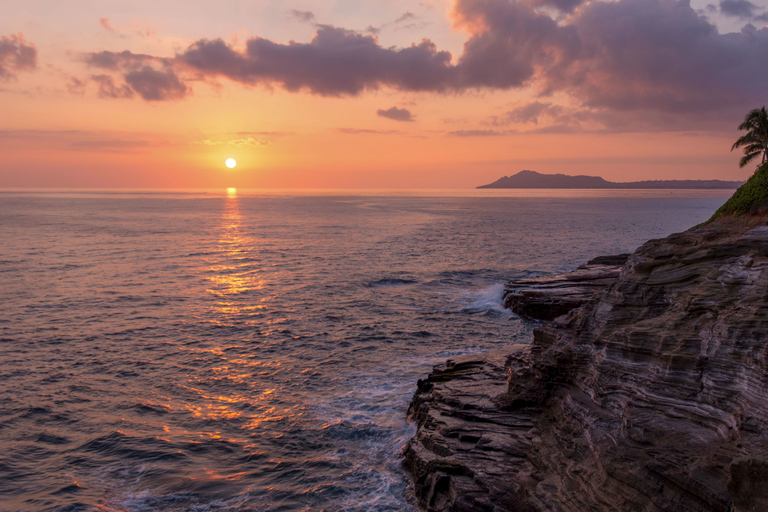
x,y
486,299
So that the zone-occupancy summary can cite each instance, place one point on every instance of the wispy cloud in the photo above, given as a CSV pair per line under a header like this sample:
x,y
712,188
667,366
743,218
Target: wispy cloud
x,y
480,133
240,143
358,131
106,24
396,114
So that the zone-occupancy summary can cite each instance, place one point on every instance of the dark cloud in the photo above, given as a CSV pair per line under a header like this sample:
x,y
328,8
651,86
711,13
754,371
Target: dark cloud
x,y
658,54
304,16
567,6
738,8
152,78
108,88
621,56
116,61
16,55
336,62
396,114
154,85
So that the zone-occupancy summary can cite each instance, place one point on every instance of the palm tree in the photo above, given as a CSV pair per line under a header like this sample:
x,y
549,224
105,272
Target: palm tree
x,y
755,141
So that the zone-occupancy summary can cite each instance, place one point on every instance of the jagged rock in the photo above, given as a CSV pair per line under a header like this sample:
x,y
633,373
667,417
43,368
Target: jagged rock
x,y
649,397
549,296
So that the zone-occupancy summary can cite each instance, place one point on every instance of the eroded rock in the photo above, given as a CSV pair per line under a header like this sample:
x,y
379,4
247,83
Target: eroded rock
x,y
650,396
549,296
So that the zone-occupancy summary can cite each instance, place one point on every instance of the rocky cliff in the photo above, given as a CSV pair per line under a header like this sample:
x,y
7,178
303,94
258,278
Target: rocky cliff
x,y
651,396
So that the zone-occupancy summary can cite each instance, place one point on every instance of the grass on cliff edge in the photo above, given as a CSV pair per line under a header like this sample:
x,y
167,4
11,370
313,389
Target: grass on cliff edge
x,y
751,197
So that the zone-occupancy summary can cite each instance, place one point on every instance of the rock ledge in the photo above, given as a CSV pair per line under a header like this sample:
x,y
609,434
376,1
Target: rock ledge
x,y
650,396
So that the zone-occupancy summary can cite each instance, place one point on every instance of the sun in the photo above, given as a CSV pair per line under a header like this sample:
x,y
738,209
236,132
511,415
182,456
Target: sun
x,y
231,163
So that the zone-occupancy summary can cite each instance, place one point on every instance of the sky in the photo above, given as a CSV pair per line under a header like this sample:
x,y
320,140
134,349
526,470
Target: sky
x,y
372,94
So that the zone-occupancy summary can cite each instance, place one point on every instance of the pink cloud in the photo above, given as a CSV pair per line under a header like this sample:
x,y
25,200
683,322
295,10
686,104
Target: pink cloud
x,y
16,55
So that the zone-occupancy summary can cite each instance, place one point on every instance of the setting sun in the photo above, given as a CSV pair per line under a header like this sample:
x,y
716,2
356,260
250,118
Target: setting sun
x,y
231,163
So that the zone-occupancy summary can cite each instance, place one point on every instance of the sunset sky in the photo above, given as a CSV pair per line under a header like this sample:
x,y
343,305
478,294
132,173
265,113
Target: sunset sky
x,y
365,93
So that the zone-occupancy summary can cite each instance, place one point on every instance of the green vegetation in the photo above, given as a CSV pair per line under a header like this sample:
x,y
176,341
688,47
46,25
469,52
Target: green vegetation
x,y
749,198
755,141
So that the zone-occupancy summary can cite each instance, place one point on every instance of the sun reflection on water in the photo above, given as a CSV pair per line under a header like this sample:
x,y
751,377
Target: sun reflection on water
x,y
232,387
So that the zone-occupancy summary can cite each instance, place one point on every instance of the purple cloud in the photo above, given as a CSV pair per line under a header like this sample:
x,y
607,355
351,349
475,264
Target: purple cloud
x,y
154,85
336,62
636,56
109,89
16,55
152,78
396,114
738,8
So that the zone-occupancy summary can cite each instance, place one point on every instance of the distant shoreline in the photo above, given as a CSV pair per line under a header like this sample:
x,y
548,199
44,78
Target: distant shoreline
x,y
532,179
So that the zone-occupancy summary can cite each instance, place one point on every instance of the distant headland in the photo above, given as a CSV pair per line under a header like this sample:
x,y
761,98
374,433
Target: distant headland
x,y
533,179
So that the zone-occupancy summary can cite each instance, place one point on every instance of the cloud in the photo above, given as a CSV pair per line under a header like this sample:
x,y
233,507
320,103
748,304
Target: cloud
x,y
132,28
248,143
272,134
359,131
152,78
336,62
16,55
304,16
529,113
566,6
396,114
109,145
658,54
154,85
239,143
83,141
109,89
405,17
631,56
480,133
75,86
738,8
106,24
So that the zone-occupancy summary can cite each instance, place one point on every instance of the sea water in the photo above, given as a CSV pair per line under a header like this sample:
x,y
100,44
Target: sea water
x,y
189,351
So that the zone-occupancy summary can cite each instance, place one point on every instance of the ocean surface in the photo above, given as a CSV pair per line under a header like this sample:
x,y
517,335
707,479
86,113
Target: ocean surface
x,y
246,351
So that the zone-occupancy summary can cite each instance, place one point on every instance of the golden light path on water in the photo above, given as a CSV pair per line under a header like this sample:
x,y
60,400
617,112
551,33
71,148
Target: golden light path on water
x,y
235,281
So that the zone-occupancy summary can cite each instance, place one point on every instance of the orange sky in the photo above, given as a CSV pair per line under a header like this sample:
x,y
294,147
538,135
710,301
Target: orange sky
x,y
332,94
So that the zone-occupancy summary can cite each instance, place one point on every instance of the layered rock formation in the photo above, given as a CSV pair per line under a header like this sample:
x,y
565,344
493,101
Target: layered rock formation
x,y
549,296
651,396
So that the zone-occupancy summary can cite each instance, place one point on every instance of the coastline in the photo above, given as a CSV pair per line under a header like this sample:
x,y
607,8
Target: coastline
x,y
647,396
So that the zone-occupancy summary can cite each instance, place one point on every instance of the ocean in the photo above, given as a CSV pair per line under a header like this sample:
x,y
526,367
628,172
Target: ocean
x,y
257,351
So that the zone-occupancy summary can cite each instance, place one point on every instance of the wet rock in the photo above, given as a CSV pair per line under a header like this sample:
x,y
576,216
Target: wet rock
x,y
549,296
650,396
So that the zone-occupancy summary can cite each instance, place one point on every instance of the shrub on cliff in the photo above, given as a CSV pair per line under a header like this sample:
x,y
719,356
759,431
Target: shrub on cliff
x,y
751,197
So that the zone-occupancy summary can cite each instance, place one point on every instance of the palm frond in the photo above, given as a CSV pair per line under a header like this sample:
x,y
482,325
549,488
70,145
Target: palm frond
x,y
748,158
754,143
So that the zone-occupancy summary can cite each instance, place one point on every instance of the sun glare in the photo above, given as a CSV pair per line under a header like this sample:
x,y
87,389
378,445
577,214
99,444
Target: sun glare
x,y
231,163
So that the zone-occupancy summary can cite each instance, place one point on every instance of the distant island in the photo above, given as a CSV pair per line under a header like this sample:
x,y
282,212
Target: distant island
x,y
533,179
